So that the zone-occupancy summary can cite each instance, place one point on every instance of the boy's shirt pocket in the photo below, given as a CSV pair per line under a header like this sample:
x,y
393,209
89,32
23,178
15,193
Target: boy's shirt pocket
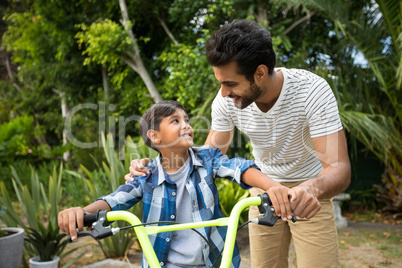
x,y
207,194
154,205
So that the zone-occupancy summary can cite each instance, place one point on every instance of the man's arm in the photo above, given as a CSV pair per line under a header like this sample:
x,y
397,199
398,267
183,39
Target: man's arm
x,y
221,140
332,180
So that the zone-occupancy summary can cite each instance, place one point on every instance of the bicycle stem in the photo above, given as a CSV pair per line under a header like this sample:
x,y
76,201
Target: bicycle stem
x,y
141,233
233,222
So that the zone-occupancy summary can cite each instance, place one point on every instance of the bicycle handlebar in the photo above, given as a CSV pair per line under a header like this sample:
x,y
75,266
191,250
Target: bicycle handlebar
x,y
101,226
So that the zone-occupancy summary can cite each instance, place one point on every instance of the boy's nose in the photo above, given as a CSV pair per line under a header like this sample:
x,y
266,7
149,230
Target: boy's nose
x,y
185,124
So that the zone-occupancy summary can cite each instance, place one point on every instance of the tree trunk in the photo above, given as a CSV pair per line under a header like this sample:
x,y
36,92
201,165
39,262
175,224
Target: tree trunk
x,y
64,112
167,31
10,73
261,17
137,64
105,82
305,18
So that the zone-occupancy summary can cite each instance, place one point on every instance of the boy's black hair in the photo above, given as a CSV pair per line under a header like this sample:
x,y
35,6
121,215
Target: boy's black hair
x,y
244,42
152,118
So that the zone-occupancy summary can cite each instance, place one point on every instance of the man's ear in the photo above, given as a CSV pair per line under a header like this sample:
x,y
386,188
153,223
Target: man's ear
x,y
260,73
153,135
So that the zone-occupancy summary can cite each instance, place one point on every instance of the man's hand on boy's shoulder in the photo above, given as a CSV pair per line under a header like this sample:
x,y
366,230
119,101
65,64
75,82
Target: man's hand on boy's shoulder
x,y
137,168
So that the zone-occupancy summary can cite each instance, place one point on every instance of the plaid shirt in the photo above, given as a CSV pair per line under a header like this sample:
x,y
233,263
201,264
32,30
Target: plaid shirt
x,y
159,199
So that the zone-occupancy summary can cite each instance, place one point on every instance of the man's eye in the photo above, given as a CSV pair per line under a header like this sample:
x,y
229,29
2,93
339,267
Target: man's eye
x,y
175,121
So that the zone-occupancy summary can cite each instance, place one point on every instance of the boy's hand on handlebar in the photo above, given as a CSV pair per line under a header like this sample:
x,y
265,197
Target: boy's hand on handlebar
x,y
280,201
304,202
70,219
137,168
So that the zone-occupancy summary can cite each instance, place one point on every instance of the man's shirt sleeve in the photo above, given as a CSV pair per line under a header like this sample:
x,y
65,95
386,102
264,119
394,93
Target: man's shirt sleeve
x,y
322,110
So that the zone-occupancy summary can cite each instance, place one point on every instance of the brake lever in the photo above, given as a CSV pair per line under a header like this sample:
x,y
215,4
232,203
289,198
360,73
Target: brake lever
x,y
101,228
267,211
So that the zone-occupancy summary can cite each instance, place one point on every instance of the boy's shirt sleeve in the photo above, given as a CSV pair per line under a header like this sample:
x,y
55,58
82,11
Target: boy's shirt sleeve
x,y
126,196
230,169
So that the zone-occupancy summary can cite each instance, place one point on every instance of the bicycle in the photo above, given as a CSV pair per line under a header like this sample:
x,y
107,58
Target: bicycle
x,y
100,222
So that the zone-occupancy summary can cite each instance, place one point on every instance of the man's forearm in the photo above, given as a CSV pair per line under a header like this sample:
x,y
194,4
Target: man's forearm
x,y
331,181
335,177
220,140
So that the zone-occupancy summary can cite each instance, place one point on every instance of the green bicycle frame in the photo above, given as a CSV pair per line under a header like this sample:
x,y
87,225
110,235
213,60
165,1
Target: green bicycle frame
x,y
142,232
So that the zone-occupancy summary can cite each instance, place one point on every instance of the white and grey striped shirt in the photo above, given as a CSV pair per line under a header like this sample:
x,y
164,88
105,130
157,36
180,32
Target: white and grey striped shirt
x,y
281,138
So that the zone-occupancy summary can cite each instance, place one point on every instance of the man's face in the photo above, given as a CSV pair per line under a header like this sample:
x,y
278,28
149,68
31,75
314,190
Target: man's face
x,y
236,86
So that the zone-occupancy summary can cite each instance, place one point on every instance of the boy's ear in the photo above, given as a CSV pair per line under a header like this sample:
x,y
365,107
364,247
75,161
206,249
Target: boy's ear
x,y
153,135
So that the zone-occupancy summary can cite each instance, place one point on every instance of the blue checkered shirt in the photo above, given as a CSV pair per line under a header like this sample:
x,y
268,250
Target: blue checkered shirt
x,y
159,202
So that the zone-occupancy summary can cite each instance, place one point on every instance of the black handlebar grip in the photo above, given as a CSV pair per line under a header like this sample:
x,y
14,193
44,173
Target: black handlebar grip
x,y
90,218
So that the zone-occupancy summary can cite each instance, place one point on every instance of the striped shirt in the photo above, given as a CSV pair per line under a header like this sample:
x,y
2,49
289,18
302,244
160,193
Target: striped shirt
x,y
158,193
281,138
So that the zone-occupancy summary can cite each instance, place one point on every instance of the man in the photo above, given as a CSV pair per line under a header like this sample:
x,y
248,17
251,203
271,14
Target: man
x,y
292,120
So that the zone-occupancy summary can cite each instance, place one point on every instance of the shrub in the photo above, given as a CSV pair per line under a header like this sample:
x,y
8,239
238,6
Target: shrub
x,y
40,208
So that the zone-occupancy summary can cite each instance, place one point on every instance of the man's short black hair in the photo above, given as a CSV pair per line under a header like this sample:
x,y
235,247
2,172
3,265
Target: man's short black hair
x,y
244,42
152,118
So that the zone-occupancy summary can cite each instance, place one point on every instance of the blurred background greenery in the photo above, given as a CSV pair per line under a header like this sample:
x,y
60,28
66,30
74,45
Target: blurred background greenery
x,y
122,56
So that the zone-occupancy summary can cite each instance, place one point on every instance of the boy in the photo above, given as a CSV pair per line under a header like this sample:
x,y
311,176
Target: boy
x,y
180,187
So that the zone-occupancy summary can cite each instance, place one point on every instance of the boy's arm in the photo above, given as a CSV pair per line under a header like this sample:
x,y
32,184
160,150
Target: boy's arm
x,y
71,218
277,192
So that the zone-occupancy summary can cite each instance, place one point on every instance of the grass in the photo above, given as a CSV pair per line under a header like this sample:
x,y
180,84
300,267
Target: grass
x,y
369,248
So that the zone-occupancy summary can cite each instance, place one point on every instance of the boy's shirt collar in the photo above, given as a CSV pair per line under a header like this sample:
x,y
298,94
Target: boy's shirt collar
x,y
161,174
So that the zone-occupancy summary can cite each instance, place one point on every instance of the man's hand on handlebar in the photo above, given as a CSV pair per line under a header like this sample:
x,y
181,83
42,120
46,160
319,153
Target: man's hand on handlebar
x,y
304,202
137,168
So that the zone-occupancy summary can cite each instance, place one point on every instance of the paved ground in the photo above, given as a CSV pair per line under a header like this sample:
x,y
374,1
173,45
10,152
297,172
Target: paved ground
x,y
110,263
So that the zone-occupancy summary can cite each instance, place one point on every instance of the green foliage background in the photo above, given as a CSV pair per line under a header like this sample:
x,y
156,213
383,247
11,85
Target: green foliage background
x,y
78,52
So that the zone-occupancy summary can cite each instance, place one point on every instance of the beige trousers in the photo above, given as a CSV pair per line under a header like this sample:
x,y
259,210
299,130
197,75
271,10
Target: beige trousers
x,y
315,240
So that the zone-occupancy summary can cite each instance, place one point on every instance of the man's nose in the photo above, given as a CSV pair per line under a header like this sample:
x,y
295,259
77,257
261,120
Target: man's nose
x,y
225,92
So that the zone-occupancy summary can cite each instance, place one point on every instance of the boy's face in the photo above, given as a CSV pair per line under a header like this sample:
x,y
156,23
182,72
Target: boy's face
x,y
174,132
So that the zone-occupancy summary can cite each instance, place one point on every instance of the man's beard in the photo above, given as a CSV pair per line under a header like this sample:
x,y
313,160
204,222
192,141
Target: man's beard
x,y
245,101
